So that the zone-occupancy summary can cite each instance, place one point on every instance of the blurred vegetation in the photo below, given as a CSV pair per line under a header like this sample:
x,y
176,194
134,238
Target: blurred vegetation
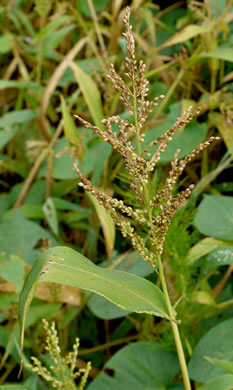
x,y
54,59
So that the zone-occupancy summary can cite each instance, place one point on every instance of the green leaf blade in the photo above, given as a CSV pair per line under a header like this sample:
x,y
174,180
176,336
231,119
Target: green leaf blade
x,y
91,95
224,382
215,217
65,266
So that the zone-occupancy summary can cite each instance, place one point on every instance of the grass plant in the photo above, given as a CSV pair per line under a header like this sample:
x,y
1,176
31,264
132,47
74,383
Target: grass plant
x,y
153,214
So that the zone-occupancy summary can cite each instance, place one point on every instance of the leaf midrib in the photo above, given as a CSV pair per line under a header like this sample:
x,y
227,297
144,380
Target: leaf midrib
x,y
103,278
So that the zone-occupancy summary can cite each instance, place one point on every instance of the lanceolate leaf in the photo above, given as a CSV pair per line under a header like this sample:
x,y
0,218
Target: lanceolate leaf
x,y
107,224
222,53
215,217
70,128
187,33
66,266
90,94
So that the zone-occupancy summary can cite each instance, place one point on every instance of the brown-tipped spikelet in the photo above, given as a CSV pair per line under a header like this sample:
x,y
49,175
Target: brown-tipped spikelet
x,y
154,213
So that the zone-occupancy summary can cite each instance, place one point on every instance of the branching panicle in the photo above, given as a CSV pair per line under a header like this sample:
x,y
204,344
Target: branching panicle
x,y
63,372
154,213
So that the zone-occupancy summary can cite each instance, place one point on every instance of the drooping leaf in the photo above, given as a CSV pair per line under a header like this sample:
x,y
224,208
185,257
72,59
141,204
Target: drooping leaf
x,y
132,263
107,224
66,266
217,343
142,365
215,217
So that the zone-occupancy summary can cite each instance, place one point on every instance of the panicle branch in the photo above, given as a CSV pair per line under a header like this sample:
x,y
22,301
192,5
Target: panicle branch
x,y
153,213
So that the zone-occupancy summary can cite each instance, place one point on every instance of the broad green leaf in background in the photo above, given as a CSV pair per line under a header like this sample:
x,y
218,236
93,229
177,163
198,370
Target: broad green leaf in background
x,y
91,95
103,151
65,266
52,26
14,387
17,117
54,39
224,382
62,204
132,263
70,129
217,343
51,215
31,211
185,139
19,84
13,271
222,53
219,257
214,217
187,33
107,224
6,43
99,5
223,364
6,135
22,236
62,165
142,365
204,247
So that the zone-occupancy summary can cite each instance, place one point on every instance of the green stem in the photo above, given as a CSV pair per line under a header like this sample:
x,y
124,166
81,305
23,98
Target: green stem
x,y
135,114
175,329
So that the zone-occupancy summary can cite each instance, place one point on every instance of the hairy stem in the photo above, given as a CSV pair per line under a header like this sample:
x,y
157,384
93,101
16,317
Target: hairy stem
x,y
175,329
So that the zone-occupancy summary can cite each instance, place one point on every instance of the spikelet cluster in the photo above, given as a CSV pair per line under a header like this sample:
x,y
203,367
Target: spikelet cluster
x,y
63,373
153,213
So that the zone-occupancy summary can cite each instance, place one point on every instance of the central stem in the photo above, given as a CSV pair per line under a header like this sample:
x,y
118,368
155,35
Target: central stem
x,y
135,114
175,329
171,312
